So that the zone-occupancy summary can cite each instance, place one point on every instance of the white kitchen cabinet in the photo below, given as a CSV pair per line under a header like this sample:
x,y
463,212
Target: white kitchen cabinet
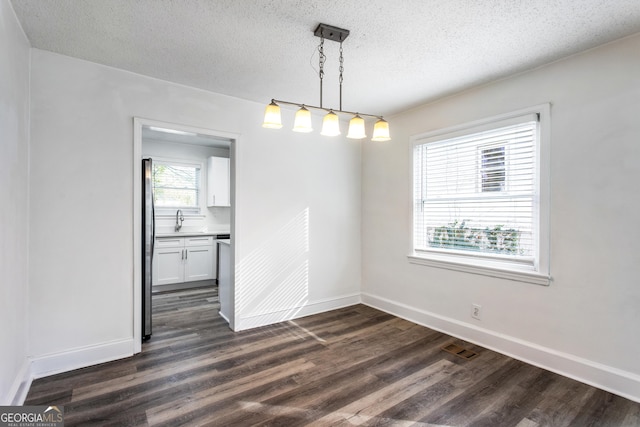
x,y
168,266
184,259
198,263
218,181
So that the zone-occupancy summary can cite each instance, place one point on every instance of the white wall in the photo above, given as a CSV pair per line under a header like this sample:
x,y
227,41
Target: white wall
x,y
82,203
14,190
585,323
299,213
212,219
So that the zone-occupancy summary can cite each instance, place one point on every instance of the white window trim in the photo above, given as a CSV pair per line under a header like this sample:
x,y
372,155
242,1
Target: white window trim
x,y
160,212
539,274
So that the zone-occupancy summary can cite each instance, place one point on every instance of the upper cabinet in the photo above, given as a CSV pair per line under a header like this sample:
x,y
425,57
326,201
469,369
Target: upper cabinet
x,y
218,193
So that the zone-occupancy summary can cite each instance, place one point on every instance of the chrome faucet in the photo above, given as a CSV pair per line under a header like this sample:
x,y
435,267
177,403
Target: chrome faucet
x,y
179,220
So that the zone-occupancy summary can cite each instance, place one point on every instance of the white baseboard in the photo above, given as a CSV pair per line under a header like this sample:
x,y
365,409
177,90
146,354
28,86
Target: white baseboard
x,y
82,357
224,316
56,363
182,286
307,309
617,381
20,386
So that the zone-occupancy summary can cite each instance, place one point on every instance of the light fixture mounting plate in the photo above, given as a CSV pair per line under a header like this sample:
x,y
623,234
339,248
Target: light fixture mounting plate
x,y
331,33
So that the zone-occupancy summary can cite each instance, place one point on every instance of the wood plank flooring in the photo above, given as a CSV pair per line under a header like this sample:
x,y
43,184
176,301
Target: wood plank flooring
x,y
353,366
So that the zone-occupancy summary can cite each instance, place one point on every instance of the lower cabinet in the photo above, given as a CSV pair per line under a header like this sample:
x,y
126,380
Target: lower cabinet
x,y
184,259
168,266
199,263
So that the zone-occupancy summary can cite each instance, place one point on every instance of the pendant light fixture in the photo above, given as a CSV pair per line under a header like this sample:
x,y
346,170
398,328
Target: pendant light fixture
x,y
356,128
302,122
330,124
272,119
331,121
381,130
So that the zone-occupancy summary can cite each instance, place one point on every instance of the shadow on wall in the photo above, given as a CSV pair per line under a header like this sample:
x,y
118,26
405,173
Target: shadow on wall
x,y
272,282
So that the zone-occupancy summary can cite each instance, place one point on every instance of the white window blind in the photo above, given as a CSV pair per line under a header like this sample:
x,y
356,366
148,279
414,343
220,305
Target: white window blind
x,y
176,186
476,193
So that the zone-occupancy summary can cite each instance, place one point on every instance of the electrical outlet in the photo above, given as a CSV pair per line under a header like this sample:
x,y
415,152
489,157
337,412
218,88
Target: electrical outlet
x,y
476,311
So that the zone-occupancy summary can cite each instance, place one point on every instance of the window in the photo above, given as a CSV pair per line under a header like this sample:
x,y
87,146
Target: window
x,y
477,198
492,168
176,186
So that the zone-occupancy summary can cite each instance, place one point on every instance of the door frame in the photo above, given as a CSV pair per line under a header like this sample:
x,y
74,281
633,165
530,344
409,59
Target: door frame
x,y
138,123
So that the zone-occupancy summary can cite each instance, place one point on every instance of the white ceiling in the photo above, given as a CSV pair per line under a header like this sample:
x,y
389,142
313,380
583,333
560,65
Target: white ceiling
x,y
400,53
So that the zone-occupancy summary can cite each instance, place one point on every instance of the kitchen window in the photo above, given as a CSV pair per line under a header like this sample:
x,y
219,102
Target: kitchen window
x,y
481,199
177,185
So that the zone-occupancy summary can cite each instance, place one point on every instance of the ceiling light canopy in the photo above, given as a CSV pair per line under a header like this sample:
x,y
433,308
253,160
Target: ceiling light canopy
x,y
331,121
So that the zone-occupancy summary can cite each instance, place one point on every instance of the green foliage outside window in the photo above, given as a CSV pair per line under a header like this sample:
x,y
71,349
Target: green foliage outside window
x,y
457,235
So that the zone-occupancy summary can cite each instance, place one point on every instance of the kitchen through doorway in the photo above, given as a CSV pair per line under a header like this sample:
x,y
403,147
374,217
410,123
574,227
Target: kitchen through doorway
x,y
183,212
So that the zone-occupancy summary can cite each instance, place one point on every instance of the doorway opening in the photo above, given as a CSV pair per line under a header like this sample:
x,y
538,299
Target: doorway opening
x,y
184,208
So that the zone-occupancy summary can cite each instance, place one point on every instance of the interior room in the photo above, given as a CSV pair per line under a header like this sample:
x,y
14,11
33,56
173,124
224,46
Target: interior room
x,y
478,191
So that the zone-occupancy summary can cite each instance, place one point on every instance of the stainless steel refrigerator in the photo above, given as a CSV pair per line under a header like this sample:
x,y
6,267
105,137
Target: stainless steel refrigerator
x,y
148,241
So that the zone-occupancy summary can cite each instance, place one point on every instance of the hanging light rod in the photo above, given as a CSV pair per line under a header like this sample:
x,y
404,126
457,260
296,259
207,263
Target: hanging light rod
x,y
298,104
331,122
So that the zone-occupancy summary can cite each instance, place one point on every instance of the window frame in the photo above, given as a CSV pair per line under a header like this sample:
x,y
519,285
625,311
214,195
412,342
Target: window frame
x,y
483,264
186,210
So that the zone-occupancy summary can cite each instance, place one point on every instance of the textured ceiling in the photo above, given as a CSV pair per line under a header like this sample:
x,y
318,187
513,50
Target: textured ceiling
x,y
400,53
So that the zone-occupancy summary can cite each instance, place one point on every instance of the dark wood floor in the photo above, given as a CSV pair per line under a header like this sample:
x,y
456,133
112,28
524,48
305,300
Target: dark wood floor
x,y
353,366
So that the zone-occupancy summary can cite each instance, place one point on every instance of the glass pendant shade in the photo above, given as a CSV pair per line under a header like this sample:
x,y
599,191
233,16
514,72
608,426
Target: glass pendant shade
x,y
272,118
330,125
381,131
302,122
356,128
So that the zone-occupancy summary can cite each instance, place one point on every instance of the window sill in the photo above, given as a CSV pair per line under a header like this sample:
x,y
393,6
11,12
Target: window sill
x,y
503,271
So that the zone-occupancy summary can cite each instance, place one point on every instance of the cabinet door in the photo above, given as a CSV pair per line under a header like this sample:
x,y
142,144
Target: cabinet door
x,y
168,266
218,193
198,263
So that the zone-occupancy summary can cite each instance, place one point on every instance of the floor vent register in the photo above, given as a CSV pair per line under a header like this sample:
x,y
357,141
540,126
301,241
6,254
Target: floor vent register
x,y
459,351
